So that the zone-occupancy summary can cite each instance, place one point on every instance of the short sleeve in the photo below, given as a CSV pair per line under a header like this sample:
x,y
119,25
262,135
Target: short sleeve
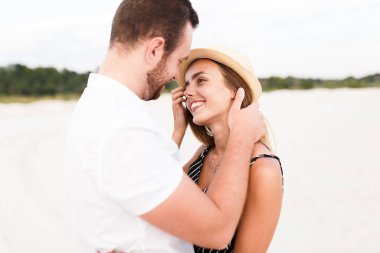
x,y
139,168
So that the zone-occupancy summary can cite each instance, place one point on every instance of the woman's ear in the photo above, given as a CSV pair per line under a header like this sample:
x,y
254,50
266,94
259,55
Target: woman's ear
x,y
155,50
233,93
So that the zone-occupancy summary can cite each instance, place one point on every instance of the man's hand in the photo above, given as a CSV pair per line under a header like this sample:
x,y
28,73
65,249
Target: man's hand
x,y
248,121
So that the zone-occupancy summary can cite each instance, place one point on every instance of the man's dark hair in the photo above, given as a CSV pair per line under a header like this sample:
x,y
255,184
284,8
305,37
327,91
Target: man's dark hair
x,y
136,20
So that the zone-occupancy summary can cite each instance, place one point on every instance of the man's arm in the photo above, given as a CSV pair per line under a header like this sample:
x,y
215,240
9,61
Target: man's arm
x,y
210,220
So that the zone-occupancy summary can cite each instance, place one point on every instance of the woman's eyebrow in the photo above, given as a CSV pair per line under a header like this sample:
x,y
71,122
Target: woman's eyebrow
x,y
195,75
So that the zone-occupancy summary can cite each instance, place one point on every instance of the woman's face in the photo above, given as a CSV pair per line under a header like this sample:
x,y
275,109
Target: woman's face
x,y
209,97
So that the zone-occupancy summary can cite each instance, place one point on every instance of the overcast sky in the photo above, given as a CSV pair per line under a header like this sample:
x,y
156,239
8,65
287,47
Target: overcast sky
x,y
303,38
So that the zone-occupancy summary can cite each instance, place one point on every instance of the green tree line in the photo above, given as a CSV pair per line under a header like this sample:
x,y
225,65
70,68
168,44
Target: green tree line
x,y
21,80
18,79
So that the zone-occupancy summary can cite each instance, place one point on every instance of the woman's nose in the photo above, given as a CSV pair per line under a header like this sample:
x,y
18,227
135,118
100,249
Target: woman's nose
x,y
188,91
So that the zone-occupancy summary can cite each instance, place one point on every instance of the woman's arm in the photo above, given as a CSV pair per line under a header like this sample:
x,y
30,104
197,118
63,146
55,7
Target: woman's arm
x,y
180,122
262,207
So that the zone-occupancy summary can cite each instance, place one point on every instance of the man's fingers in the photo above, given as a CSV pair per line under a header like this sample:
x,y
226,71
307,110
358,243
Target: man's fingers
x,y
255,106
238,99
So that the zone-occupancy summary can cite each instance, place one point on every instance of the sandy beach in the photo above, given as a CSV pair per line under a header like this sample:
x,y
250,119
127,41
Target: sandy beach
x,y
328,141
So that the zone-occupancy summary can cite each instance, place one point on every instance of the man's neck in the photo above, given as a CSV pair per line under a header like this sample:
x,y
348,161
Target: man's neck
x,y
126,69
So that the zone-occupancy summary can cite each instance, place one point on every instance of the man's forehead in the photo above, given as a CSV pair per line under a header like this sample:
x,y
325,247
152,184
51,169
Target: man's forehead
x,y
186,40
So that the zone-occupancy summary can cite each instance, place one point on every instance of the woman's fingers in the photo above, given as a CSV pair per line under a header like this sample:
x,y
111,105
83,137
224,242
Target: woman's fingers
x,y
180,88
178,96
179,100
177,92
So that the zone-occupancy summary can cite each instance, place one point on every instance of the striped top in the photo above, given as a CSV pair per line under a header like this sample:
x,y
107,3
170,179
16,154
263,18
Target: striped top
x,y
193,173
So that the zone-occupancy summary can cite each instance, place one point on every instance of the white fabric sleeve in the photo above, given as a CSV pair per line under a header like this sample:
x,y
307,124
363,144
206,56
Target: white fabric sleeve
x,y
138,169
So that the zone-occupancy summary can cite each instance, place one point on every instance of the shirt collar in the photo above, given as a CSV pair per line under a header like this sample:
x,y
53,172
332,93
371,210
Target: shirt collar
x,y
122,93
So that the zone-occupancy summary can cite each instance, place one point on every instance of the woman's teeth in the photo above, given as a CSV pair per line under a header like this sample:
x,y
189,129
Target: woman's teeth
x,y
196,105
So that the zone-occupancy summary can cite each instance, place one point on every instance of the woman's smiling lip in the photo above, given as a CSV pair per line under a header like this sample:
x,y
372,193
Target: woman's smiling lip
x,y
194,105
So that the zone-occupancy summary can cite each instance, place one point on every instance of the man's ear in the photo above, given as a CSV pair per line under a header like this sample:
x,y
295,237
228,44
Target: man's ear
x,y
155,50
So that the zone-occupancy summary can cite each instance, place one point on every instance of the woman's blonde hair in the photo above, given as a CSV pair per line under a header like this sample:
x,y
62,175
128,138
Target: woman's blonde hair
x,y
202,133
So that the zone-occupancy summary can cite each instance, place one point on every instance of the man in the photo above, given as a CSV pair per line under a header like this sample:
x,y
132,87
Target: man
x,y
126,184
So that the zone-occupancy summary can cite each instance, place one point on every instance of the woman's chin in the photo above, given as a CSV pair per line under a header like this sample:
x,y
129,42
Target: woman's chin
x,y
198,121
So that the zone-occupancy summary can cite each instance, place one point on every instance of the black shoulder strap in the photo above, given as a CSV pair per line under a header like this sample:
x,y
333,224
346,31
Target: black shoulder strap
x,y
253,159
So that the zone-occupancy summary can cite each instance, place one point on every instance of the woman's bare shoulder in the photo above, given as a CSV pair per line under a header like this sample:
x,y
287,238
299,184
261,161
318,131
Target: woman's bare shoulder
x,y
265,168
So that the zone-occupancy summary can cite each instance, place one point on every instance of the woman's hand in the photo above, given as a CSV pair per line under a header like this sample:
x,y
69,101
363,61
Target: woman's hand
x,y
179,111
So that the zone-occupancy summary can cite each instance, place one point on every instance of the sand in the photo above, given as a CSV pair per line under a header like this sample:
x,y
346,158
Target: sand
x,y
328,141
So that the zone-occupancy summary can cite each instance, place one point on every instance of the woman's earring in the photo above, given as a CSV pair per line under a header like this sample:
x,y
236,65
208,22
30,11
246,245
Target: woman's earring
x,y
208,131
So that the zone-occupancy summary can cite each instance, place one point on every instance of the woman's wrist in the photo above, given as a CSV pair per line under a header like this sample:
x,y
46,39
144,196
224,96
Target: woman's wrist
x,y
178,137
179,130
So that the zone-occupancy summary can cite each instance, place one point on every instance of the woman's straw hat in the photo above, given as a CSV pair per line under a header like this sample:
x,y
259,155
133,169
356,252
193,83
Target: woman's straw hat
x,y
228,57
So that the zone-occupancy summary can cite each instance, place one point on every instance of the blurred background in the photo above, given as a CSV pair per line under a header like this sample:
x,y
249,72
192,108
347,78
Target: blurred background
x,y
318,61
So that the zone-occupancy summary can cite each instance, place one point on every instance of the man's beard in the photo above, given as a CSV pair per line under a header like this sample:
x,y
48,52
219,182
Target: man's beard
x,y
157,79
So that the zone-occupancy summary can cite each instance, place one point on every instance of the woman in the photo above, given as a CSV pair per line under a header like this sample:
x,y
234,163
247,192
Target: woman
x,y
209,79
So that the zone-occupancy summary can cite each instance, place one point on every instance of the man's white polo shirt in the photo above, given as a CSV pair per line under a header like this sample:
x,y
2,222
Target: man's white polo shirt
x,y
120,164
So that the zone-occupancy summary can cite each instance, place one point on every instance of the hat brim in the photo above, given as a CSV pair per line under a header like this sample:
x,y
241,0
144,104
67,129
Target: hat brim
x,y
207,53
